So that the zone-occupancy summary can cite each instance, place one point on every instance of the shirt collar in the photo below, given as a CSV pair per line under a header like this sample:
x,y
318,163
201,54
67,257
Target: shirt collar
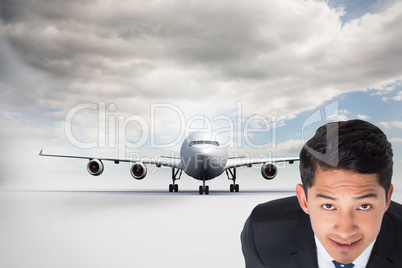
x,y
325,260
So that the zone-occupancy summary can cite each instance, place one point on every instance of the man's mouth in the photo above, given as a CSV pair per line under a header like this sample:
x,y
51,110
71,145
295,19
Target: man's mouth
x,y
345,246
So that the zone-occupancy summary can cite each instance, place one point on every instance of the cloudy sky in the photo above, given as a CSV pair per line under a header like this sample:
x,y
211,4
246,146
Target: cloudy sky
x,y
114,77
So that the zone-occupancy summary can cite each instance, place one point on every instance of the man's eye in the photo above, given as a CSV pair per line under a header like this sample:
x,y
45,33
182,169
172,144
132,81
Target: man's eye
x,y
328,207
365,207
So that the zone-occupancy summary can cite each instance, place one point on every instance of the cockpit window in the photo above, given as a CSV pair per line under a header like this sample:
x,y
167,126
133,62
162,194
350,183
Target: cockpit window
x,y
204,142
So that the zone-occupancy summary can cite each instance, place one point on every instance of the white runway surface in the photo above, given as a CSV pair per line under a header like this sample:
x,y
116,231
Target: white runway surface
x,y
118,228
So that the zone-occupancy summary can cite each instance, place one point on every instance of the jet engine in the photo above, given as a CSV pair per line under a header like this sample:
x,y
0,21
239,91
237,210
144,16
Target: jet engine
x,y
268,171
95,167
138,171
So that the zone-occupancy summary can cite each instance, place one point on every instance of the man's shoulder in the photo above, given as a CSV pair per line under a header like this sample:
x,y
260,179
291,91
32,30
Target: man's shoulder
x,y
388,245
394,212
277,210
276,230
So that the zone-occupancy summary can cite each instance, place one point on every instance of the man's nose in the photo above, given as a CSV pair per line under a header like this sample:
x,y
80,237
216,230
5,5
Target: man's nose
x,y
346,225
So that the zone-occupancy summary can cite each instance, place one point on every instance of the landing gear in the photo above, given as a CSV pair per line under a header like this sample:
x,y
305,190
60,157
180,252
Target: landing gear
x,y
176,174
231,173
234,188
173,188
203,188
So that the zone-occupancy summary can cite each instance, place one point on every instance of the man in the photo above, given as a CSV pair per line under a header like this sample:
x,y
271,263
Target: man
x,y
342,214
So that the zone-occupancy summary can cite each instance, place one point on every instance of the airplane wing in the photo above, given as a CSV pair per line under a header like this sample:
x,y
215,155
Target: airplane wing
x,y
234,162
268,168
167,161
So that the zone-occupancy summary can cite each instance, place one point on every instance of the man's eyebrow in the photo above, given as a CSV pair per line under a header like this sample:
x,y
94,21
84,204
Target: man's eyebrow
x,y
369,195
326,196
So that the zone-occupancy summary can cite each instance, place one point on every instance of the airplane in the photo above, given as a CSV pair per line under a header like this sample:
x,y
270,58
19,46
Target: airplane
x,y
201,158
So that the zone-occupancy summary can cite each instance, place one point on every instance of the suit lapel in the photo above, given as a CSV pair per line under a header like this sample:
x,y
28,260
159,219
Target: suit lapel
x,y
305,259
384,247
305,251
376,261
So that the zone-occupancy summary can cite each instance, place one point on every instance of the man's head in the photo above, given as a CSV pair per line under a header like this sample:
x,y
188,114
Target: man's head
x,y
353,145
346,171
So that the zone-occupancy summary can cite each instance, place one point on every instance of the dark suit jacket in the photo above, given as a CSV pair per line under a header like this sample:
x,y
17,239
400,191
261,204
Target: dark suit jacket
x,y
278,234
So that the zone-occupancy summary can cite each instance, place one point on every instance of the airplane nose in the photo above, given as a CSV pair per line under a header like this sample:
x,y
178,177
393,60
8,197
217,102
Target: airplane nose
x,y
205,161
208,165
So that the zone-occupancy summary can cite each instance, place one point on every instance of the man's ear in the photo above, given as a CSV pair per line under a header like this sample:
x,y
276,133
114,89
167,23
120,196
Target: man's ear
x,y
301,196
390,191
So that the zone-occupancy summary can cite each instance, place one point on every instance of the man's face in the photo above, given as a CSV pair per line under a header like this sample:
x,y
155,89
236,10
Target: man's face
x,y
346,211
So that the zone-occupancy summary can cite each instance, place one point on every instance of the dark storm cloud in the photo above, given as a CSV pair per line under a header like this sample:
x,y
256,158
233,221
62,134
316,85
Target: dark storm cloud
x,y
67,37
148,51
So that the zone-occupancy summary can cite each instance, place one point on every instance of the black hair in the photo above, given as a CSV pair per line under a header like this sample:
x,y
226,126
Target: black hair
x,y
353,145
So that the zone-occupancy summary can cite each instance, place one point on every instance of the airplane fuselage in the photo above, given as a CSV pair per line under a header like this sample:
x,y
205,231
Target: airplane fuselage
x,y
203,158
